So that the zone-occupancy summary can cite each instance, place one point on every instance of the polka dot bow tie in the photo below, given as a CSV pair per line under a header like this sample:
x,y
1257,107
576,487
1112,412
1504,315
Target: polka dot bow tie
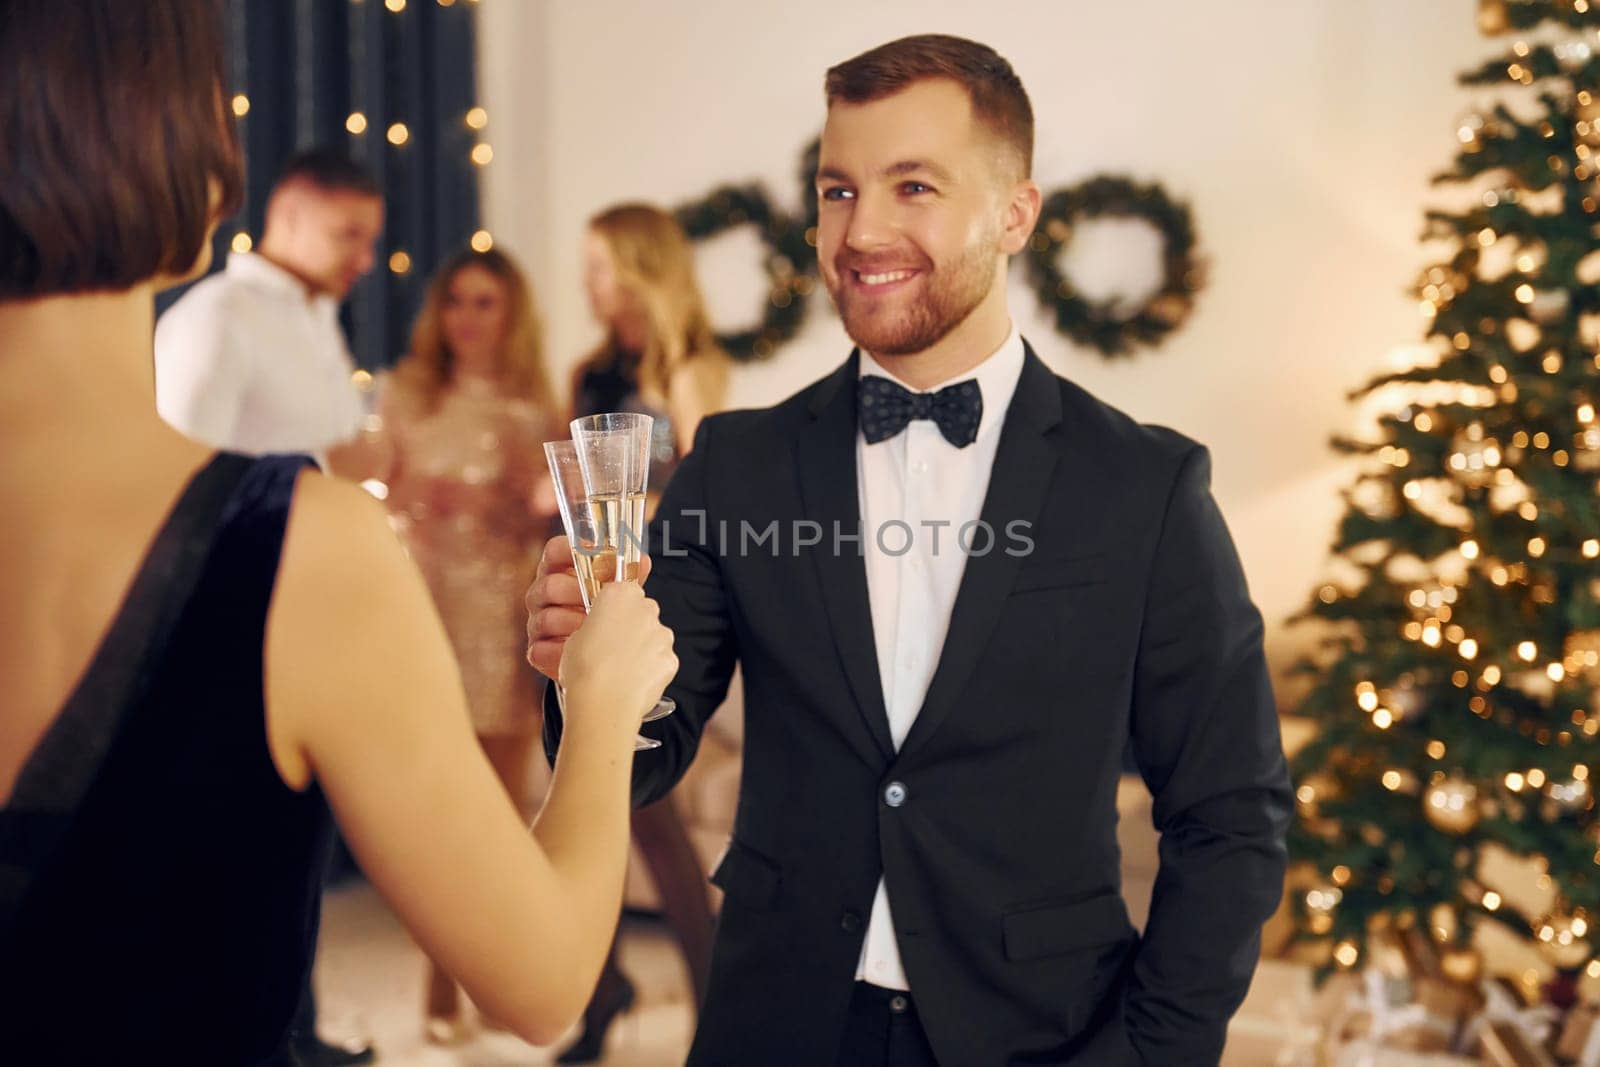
x,y
886,408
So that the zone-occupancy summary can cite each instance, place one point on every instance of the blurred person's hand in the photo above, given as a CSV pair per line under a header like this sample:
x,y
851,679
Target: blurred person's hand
x,y
368,455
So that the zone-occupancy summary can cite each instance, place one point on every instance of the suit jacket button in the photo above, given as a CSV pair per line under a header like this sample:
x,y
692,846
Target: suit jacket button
x,y
850,922
895,794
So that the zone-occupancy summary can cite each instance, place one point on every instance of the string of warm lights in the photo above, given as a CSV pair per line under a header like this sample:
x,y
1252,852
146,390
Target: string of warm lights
x,y
476,119
398,135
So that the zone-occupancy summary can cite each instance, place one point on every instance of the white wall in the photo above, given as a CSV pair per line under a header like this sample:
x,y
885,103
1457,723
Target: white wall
x,y
1303,132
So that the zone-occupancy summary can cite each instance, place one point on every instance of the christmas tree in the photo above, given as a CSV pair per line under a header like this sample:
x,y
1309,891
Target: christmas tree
x,y
1456,688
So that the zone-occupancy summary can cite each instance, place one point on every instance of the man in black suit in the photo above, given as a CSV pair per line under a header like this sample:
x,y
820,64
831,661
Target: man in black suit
x,y
958,585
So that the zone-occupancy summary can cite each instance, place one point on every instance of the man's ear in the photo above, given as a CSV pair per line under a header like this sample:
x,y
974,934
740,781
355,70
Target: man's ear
x,y
284,208
1021,215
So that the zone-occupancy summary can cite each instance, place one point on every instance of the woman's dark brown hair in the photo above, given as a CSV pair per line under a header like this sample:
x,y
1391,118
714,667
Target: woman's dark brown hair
x,y
113,129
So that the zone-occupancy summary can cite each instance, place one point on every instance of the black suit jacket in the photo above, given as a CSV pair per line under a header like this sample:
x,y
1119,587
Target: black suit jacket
x,y
1129,619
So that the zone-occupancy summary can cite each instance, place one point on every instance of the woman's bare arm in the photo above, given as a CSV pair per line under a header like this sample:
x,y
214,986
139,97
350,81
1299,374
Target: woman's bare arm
x,y
364,695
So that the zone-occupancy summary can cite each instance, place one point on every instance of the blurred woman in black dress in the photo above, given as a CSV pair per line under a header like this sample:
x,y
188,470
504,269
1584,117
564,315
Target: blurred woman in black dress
x,y
658,357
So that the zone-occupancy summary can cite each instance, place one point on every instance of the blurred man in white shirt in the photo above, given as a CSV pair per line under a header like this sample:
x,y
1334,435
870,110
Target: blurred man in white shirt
x,y
252,359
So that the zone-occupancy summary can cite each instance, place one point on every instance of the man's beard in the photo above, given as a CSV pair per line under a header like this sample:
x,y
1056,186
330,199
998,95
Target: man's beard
x,y
948,296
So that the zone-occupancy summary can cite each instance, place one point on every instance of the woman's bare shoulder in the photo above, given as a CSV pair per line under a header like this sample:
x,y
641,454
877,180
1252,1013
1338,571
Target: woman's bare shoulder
x,y
333,520
343,567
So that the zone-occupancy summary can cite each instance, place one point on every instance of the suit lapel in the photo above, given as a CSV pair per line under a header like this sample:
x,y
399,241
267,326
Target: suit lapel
x,y
826,455
1023,466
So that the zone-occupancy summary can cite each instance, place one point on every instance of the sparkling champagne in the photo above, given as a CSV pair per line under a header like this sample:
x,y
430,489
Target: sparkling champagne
x,y
616,534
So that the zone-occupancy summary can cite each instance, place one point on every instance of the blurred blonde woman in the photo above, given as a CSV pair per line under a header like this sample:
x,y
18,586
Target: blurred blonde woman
x,y
465,414
658,357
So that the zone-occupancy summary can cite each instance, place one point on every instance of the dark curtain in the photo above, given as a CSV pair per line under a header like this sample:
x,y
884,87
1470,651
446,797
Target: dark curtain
x,y
344,73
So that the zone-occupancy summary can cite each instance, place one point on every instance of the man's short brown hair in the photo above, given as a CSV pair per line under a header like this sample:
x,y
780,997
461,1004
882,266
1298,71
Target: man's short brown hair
x,y
999,101
113,126
331,170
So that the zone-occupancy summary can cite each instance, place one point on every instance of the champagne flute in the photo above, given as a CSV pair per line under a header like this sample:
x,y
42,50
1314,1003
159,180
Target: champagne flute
x,y
595,552
614,451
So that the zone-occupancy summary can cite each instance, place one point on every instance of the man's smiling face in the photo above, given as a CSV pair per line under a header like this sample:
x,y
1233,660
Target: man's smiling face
x,y
911,209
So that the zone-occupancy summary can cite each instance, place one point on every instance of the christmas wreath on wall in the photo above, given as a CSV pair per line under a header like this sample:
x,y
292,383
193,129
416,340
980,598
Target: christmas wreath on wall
x,y
1106,325
789,262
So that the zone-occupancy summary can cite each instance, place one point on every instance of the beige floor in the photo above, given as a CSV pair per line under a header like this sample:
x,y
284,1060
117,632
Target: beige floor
x,y
370,979
370,975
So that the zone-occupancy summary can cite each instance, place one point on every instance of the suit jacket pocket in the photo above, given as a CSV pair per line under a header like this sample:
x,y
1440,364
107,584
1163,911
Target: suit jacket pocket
x,y
1056,929
747,877
1063,573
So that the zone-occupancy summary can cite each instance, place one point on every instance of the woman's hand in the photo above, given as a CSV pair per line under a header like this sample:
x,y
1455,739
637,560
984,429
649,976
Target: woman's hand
x,y
620,660
555,605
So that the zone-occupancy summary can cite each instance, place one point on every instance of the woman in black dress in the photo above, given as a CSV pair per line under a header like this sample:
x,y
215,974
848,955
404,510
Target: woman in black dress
x,y
204,653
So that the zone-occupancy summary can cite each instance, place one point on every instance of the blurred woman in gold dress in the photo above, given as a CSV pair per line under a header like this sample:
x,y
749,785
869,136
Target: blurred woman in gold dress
x,y
464,415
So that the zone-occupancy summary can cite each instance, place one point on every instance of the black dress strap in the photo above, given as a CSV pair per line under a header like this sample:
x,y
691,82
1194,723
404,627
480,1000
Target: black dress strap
x,y
64,765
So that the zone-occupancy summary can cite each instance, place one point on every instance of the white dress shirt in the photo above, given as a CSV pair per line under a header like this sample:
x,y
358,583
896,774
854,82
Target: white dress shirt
x,y
923,481
247,361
